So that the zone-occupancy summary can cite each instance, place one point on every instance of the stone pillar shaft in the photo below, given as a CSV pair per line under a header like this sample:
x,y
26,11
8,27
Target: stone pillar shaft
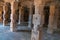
x,y
14,8
38,19
19,15
5,9
51,19
30,18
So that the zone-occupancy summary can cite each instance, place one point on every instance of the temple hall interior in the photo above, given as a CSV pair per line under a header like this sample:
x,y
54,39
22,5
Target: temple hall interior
x,y
29,19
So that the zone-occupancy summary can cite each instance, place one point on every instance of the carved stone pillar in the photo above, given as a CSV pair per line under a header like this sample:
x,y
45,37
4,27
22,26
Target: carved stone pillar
x,y
5,9
38,23
14,8
20,14
30,18
56,16
51,19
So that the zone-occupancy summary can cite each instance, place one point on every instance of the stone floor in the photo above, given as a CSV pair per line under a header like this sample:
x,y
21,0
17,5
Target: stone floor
x,y
6,34
54,36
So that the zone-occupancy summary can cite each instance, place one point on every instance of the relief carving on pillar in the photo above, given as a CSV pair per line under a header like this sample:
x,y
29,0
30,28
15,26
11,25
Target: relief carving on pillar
x,y
36,20
36,31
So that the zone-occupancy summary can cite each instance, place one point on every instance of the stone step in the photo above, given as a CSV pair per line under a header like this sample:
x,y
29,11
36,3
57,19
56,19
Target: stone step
x,y
23,28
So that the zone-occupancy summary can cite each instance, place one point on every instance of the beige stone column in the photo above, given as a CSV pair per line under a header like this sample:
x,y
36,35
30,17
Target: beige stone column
x,y
38,20
14,8
51,19
5,9
30,18
57,14
20,13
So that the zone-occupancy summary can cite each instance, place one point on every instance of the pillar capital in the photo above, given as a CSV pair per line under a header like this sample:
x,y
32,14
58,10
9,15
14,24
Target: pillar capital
x,y
38,2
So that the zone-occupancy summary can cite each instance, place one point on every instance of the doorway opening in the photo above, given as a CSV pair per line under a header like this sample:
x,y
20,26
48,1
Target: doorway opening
x,y
25,17
26,14
46,15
